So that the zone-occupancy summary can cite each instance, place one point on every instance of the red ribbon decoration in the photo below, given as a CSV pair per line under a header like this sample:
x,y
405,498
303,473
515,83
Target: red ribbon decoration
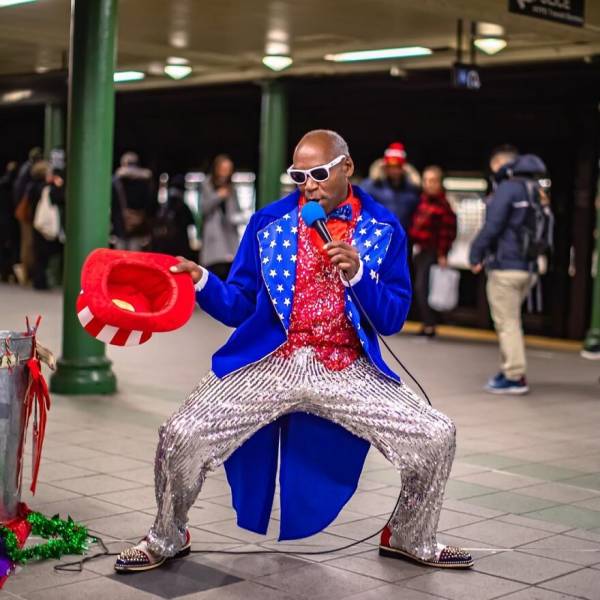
x,y
37,397
37,400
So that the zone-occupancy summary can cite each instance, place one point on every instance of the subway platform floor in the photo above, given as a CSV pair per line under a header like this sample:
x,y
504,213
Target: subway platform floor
x,y
524,493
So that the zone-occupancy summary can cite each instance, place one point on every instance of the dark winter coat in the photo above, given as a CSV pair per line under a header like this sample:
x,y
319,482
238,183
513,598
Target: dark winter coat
x,y
499,243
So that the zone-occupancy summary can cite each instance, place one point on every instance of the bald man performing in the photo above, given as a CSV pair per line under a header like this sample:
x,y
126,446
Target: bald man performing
x,y
301,387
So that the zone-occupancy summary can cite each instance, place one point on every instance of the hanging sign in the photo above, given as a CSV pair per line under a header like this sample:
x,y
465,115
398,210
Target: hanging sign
x,y
567,12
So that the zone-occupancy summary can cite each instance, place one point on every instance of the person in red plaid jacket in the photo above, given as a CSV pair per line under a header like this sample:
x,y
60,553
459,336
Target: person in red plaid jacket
x,y
432,232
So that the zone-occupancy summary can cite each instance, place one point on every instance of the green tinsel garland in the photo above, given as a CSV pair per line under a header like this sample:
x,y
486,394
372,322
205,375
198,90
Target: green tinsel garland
x,y
67,537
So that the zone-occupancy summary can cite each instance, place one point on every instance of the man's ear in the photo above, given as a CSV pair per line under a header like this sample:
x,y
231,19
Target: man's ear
x,y
349,167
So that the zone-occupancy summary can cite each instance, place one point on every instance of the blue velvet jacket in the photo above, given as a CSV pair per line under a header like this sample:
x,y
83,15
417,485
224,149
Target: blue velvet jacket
x,y
320,461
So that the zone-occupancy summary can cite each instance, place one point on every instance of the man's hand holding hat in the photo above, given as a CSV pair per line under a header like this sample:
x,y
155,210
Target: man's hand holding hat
x,y
188,266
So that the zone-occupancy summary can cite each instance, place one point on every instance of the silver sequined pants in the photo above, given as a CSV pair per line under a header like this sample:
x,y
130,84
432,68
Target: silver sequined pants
x,y
220,414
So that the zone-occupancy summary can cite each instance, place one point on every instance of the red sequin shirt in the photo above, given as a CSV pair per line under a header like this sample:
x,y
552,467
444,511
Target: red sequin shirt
x,y
318,315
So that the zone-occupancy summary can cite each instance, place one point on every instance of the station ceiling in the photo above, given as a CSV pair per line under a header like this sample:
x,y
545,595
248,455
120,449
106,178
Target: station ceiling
x,y
225,40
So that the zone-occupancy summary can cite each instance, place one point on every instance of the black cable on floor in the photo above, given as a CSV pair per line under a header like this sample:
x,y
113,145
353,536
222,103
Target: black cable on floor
x,y
77,565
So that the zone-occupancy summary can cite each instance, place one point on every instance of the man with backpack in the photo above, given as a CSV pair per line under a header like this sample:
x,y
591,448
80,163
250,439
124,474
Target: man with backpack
x,y
516,233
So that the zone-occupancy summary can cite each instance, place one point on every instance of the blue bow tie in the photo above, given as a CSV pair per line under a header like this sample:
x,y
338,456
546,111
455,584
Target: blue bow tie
x,y
343,213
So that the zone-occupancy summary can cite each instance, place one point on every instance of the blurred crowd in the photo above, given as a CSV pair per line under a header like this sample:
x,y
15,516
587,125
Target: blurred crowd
x,y
516,234
32,217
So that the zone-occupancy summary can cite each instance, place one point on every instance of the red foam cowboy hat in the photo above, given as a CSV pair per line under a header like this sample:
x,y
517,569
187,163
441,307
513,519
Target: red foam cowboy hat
x,y
127,296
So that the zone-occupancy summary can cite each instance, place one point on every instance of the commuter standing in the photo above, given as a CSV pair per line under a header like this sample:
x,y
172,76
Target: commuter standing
x,y
48,243
395,189
25,212
171,229
432,232
500,248
134,204
220,215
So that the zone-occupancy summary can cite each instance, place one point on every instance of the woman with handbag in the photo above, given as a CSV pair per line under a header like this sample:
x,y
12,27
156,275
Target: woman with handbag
x,y
432,232
48,227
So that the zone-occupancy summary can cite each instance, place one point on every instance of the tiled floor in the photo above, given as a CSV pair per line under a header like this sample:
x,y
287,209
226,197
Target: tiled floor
x,y
524,493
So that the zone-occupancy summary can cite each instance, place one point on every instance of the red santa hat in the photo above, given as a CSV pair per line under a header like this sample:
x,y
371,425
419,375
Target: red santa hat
x,y
127,296
395,154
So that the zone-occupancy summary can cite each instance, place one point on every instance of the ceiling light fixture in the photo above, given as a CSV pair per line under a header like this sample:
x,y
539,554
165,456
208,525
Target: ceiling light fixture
x,y
490,45
123,76
178,71
4,3
383,54
490,38
277,62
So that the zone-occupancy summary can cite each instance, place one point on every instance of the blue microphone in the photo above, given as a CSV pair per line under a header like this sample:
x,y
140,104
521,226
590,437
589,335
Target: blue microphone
x,y
314,216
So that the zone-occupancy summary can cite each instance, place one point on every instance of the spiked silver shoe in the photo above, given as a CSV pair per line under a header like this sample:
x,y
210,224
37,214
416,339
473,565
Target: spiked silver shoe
x,y
139,558
446,557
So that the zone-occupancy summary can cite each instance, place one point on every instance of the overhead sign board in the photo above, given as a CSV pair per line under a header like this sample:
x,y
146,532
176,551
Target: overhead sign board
x,y
567,12
466,76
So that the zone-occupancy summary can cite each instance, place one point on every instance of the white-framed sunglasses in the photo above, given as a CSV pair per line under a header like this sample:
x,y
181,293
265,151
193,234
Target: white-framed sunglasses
x,y
319,174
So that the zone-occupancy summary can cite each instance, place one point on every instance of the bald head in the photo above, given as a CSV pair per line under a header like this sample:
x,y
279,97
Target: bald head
x,y
328,141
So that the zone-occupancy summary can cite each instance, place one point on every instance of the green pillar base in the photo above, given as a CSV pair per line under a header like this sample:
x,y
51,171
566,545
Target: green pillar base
x,y
592,341
89,375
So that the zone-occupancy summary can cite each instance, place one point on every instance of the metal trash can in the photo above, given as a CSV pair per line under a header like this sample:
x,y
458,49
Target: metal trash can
x,y
16,348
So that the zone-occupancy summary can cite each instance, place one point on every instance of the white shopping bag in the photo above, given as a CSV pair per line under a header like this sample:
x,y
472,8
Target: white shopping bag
x,y
443,288
47,218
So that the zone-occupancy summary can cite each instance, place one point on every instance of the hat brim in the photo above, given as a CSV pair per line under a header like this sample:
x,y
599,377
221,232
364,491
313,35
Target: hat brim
x,y
136,290
109,334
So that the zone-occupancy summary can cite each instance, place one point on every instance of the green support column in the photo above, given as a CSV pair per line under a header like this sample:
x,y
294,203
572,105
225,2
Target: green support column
x,y
273,141
592,340
83,367
54,128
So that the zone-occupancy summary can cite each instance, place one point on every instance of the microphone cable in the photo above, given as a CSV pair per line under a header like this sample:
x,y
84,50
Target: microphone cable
x,y
381,338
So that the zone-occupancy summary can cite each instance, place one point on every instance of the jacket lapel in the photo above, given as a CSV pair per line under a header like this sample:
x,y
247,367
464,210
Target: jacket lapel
x,y
278,248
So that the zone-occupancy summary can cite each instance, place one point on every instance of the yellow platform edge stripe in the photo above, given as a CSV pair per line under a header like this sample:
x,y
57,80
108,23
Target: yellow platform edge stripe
x,y
484,335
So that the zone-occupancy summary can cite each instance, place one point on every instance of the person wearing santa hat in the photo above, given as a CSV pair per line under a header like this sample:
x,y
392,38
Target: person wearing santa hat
x,y
396,187
301,383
